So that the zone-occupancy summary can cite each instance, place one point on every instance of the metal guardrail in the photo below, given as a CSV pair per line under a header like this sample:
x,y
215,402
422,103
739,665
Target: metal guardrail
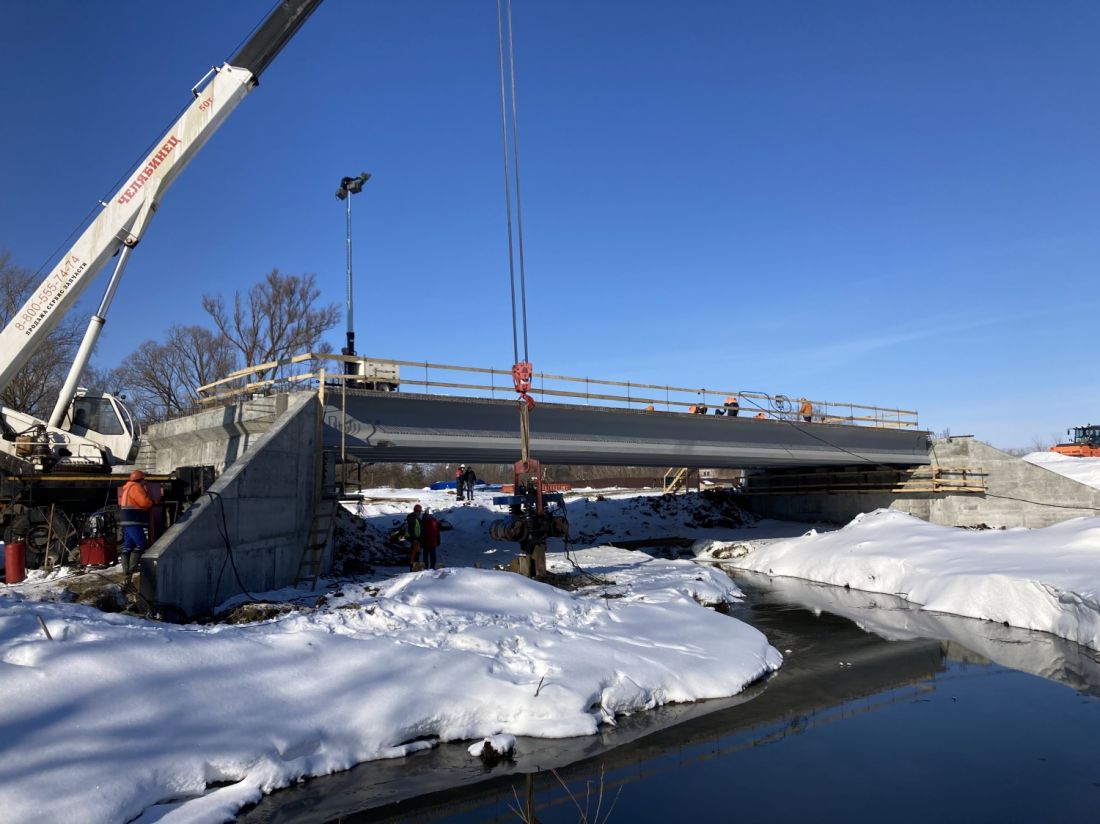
x,y
266,377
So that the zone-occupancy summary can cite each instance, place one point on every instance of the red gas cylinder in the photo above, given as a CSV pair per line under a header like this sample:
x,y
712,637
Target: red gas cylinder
x,y
98,551
15,562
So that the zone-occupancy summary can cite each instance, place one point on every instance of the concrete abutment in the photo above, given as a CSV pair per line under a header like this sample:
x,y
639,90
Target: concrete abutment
x,y
248,531
1016,493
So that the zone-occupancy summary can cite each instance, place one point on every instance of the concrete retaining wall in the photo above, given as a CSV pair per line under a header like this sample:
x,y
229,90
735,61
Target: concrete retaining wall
x,y
1018,494
215,437
259,510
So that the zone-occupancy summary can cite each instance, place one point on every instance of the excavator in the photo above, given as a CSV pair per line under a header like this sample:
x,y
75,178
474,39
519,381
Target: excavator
x,y
65,464
1085,443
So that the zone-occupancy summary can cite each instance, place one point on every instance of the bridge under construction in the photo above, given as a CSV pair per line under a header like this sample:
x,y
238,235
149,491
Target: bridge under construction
x,y
273,438
413,428
455,414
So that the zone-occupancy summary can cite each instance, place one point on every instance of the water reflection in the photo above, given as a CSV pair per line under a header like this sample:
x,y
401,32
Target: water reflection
x,y
965,639
861,693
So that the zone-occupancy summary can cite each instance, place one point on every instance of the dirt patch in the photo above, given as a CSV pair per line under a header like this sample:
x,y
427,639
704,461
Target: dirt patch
x,y
725,553
254,613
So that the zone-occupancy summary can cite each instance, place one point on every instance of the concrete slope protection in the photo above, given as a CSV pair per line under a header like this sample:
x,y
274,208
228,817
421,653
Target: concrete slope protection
x,y
402,427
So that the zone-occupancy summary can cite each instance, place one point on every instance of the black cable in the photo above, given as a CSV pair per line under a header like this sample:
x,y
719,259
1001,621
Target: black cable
x,y
229,557
507,181
1040,503
825,441
581,570
515,163
125,587
989,494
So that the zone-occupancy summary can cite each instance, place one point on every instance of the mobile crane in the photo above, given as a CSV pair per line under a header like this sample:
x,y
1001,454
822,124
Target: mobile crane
x,y
55,472
94,431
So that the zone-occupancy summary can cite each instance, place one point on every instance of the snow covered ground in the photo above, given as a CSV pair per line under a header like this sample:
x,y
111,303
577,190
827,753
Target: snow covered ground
x,y
1082,470
120,719
1042,579
114,718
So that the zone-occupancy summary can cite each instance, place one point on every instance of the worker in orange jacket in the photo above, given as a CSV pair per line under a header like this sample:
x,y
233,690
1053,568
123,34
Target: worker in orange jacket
x,y
134,504
806,410
731,407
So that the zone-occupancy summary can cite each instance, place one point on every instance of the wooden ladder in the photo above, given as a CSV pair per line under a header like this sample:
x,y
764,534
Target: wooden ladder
x,y
674,479
320,531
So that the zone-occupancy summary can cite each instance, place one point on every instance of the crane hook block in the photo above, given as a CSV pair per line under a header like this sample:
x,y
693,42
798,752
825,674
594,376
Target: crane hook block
x,y
521,376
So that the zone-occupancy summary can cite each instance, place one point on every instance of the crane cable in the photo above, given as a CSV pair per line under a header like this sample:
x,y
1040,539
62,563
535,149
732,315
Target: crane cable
x,y
521,370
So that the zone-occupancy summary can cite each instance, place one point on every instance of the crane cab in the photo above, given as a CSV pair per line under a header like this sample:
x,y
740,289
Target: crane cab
x,y
102,419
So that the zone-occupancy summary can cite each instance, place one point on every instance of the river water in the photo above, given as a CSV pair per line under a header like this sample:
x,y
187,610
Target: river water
x,y
879,710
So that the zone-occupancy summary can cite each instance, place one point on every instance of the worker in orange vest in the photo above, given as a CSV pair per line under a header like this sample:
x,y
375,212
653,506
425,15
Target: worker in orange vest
x,y
731,407
134,504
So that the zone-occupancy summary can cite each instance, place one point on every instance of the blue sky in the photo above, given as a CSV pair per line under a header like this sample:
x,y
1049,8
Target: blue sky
x,y
878,202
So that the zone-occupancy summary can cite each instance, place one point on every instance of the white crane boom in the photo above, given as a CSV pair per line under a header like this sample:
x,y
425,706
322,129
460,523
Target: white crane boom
x,y
123,220
121,224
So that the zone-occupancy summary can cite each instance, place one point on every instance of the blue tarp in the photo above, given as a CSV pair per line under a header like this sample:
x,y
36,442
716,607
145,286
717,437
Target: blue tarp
x,y
451,485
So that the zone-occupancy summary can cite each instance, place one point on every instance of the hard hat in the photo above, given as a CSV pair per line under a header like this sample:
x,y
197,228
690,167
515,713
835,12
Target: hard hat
x,y
731,399
137,475
462,466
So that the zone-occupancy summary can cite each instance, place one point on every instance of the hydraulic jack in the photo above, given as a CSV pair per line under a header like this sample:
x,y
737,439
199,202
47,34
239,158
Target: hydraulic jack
x,y
530,522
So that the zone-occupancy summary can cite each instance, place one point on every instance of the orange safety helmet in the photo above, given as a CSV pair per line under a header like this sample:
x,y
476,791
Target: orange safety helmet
x,y
731,399
137,475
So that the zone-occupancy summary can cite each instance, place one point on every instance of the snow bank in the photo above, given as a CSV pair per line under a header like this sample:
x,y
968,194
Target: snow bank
x,y
1043,579
1082,470
118,718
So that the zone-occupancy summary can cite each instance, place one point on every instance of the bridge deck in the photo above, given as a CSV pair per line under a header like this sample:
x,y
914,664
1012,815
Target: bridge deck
x,y
402,427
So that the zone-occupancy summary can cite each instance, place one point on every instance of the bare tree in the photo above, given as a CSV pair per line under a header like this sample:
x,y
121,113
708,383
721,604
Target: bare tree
x,y
35,387
163,378
278,317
